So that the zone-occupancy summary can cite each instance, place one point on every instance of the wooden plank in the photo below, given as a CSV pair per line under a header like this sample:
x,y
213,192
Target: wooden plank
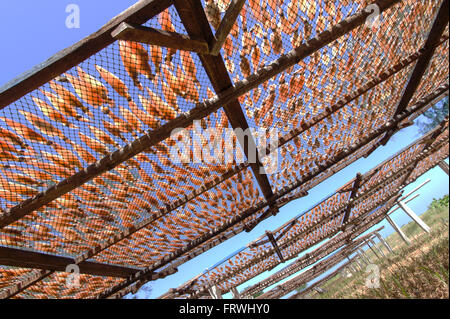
x,y
229,19
147,35
64,60
29,259
196,24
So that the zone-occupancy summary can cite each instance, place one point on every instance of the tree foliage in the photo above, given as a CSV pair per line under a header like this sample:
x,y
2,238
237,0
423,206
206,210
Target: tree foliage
x,y
433,116
438,203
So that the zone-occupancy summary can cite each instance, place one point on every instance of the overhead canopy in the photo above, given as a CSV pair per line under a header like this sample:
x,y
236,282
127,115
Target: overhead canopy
x,y
86,174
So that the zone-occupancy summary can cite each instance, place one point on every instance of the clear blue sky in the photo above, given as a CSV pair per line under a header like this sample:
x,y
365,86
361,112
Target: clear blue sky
x,y
39,32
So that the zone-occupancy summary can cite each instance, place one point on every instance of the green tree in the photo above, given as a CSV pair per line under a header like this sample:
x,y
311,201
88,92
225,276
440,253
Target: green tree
x,y
433,116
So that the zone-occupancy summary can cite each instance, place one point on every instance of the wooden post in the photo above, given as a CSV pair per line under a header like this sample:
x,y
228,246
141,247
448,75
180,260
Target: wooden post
x,y
398,230
444,166
215,292
413,216
235,293
22,258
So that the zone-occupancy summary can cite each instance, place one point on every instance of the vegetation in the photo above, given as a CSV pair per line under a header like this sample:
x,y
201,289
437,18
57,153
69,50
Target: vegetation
x,y
419,270
433,116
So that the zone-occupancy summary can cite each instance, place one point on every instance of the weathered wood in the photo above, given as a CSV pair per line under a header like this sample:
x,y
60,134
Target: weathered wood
x,y
29,259
225,26
196,24
306,260
413,216
311,273
17,288
333,274
444,166
275,245
147,35
62,61
398,230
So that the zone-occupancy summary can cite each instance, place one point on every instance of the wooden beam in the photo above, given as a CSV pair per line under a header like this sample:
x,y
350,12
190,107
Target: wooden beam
x,y
275,245
196,24
229,19
153,137
17,288
356,185
64,60
147,35
29,259
422,64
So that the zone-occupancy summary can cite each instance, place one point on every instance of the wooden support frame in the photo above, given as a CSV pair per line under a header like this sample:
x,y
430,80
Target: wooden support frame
x,y
407,166
283,140
147,35
153,137
37,276
311,273
321,252
28,259
307,177
275,245
300,294
62,61
196,24
225,26
356,185
285,244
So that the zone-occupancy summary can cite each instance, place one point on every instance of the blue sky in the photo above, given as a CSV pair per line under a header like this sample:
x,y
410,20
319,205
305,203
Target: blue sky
x,y
42,32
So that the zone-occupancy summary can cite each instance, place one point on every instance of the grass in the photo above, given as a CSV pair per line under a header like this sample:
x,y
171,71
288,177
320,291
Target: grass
x,y
416,271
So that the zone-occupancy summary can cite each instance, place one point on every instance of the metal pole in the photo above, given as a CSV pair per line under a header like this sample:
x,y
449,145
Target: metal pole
x,y
398,230
413,216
